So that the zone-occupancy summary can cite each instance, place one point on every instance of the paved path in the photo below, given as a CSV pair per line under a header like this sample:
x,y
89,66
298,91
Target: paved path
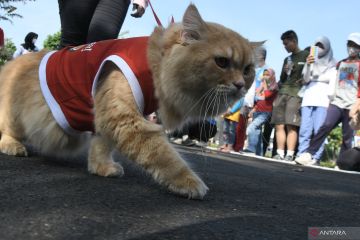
x,y
248,199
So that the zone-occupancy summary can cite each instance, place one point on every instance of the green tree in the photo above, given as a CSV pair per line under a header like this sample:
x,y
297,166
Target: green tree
x,y
7,51
52,42
8,10
334,143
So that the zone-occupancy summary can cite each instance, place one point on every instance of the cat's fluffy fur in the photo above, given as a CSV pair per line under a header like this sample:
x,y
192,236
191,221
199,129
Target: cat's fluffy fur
x,y
198,69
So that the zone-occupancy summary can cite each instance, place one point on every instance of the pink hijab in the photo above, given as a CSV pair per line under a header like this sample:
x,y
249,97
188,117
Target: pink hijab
x,y
269,84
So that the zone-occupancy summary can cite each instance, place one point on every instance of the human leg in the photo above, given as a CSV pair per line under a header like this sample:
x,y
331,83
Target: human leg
x,y
306,128
240,133
232,135
292,122
278,119
255,132
107,20
267,134
280,135
75,17
319,116
347,131
333,116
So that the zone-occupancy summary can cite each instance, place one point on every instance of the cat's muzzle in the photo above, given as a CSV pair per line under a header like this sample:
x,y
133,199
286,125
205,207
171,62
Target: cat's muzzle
x,y
239,84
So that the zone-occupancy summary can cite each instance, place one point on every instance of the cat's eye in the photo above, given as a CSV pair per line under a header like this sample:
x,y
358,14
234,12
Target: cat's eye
x,y
222,62
248,69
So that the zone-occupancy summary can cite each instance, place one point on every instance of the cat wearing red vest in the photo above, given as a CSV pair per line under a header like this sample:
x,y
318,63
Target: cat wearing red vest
x,y
94,97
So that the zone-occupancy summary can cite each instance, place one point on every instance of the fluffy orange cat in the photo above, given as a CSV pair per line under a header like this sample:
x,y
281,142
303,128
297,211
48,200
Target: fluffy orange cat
x,y
197,68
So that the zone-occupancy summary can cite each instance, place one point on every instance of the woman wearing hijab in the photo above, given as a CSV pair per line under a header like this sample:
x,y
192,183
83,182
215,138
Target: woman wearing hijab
x,y
28,46
265,94
317,74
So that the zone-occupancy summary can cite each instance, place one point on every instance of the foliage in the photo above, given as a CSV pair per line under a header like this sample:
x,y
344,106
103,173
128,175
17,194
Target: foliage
x,y
123,34
334,142
7,52
52,42
328,164
8,10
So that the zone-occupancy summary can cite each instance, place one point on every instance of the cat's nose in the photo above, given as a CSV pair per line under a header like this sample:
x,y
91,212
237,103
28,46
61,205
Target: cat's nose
x,y
239,84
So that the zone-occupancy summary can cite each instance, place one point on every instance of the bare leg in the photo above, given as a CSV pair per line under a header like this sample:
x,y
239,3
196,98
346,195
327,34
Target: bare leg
x,y
280,136
292,137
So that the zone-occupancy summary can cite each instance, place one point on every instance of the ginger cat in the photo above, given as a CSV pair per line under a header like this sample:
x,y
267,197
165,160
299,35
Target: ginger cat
x,y
198,70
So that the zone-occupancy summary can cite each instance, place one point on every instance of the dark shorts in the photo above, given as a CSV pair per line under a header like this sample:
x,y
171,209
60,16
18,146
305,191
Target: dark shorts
x,y
286,110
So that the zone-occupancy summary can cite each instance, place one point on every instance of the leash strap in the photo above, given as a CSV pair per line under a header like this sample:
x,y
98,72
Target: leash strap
x,y
155,15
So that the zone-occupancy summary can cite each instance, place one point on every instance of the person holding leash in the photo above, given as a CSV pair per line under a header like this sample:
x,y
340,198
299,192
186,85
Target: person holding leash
x,y
86,21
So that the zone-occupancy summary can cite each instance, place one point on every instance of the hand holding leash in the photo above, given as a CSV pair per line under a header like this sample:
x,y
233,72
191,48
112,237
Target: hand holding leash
x,y
137,11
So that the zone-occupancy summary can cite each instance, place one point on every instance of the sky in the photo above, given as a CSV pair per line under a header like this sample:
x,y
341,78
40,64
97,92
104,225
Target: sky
x,y
256,20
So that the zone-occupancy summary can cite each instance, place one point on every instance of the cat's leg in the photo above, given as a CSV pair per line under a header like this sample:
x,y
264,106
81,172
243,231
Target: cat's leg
x,y
100,159
146,144
117,118
11,146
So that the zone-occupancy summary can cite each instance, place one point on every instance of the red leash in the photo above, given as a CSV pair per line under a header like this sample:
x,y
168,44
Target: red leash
x,y
156,17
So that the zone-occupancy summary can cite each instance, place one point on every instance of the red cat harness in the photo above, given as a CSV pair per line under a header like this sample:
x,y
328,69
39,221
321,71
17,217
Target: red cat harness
x,y
68,79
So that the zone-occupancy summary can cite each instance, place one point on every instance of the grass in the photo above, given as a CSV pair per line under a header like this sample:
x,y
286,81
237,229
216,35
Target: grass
x,y
329,164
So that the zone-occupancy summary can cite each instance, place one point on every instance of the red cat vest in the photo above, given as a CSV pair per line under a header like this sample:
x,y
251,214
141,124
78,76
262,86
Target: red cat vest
x,y
68,79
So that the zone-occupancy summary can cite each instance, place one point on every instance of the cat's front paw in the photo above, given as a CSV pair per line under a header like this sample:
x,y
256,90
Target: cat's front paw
x,y
107,169
13,149
189,185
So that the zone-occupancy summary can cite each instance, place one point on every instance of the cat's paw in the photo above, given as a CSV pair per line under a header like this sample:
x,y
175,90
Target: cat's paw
x,y
190,186
112,169
13,149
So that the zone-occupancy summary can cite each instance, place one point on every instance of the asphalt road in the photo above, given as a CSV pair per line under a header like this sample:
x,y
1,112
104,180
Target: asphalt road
x,y
248,199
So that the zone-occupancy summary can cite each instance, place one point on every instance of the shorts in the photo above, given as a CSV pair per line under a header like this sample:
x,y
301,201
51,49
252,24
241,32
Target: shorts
x,y
286,110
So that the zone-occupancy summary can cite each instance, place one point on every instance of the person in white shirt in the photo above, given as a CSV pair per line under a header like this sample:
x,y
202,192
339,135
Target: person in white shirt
x,y
28,45
343,93
317,74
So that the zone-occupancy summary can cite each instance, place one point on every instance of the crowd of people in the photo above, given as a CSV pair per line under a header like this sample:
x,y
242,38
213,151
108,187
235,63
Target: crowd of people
x,y
314,92
313,95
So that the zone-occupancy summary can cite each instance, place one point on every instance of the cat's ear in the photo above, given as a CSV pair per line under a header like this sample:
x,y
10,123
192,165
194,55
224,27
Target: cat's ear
x,y
255,45
194,27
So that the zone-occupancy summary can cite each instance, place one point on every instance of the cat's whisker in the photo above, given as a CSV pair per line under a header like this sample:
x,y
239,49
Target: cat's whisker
x,y
212,102
201,100
205,102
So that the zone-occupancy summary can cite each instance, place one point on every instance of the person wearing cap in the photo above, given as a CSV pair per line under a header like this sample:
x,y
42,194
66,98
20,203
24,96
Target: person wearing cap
x,y
355,38
342,97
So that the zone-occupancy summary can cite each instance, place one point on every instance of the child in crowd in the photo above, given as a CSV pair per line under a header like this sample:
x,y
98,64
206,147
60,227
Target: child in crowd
x,y
265,94
231,118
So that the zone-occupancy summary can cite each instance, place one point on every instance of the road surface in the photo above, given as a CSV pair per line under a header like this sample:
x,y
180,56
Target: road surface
x,y
44,198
